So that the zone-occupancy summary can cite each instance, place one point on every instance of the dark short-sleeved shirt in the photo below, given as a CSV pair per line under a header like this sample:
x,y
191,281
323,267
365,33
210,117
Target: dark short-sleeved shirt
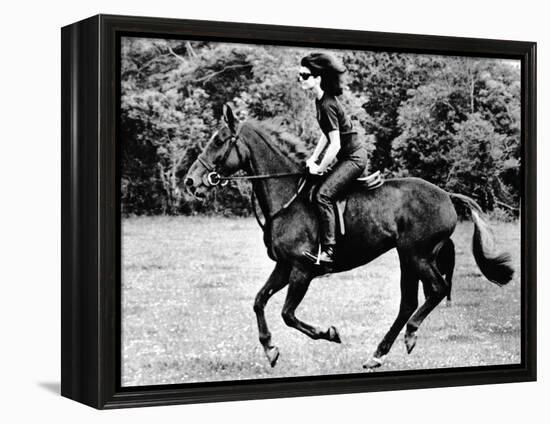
x,y
331,116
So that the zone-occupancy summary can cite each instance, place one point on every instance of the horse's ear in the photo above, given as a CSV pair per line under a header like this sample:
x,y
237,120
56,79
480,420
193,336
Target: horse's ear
x,y
229,117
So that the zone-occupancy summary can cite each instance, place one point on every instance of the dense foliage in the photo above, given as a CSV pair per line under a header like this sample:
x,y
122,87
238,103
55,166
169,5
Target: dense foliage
x,y
452,121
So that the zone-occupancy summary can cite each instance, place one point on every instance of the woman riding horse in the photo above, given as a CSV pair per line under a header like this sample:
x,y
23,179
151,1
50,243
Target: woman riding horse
x,y
321,74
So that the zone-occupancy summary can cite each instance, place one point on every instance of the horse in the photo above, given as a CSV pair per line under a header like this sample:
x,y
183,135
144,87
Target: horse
x,y
409,214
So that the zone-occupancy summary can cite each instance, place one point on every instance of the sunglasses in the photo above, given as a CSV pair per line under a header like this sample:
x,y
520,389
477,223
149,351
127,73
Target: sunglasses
x,y
304,75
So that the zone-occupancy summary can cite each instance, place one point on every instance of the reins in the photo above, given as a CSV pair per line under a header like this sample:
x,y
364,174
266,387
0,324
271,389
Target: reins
x,y
283,208
215,178
262,176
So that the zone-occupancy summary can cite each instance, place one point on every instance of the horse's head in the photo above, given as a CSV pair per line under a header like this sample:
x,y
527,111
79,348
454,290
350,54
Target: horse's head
x,y
224,154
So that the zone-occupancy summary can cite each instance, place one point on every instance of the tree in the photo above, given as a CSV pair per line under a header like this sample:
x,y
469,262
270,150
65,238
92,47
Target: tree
x,y
383,81
477,161
443,123
426,121
417,110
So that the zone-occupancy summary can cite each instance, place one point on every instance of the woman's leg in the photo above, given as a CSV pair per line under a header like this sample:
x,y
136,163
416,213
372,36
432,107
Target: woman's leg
x,y
342,175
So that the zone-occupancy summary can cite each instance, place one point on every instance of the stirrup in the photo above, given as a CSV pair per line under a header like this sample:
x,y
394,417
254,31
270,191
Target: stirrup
x,y
317,259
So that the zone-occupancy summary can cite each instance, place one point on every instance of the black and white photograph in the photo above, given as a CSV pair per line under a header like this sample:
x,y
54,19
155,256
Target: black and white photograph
x,y
291,211
275,212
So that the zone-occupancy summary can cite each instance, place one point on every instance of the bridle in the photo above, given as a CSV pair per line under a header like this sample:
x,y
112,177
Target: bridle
x,y
213,178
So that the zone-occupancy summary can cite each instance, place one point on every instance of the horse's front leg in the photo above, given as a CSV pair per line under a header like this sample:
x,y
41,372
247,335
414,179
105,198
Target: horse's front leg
x,y
276,281
299,280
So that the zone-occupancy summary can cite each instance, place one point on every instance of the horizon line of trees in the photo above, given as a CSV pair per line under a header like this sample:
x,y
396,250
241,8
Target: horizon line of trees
x,y
454,121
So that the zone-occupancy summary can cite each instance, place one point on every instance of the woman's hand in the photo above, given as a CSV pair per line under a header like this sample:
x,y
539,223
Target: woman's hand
x,y
310,162
315,169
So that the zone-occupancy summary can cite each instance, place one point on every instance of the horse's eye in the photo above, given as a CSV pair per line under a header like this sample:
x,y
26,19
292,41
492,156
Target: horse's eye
x,y
219,140
223,133
222,136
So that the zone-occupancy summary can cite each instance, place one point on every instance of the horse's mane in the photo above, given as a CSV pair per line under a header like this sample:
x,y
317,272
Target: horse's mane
x,y
274,131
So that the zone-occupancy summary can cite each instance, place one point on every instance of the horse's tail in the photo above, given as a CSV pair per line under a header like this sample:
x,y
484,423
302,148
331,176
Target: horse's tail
x,y
496,267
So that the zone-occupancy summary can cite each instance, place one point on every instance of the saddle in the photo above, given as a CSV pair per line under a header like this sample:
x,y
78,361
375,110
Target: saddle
x,y
366,182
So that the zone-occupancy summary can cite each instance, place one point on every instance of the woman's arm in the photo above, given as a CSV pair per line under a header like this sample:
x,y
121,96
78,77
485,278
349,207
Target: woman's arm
x,y
318,149
332,150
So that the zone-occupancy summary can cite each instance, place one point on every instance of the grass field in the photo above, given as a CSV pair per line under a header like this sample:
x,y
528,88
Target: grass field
x,y
188,286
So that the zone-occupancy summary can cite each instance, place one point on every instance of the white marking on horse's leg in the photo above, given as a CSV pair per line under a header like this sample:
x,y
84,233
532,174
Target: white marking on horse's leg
x,y
374,362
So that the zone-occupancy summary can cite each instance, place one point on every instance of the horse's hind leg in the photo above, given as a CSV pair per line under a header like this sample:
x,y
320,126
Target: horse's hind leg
x,y
435,288
409,303
300,278
446,265
276,281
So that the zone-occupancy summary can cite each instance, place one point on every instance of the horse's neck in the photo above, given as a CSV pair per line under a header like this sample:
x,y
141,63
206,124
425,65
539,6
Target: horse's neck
x,y
272,193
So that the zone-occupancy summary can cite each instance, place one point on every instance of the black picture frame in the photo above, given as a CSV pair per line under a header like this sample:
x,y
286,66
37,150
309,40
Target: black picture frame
x,y
90,222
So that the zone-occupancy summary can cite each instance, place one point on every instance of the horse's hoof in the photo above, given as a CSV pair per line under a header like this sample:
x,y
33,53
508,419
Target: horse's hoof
x,y
333,335
410,341
272,354
374,362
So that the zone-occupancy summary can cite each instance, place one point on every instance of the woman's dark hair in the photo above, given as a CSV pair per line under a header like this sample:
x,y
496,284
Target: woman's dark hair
x,y
328,68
